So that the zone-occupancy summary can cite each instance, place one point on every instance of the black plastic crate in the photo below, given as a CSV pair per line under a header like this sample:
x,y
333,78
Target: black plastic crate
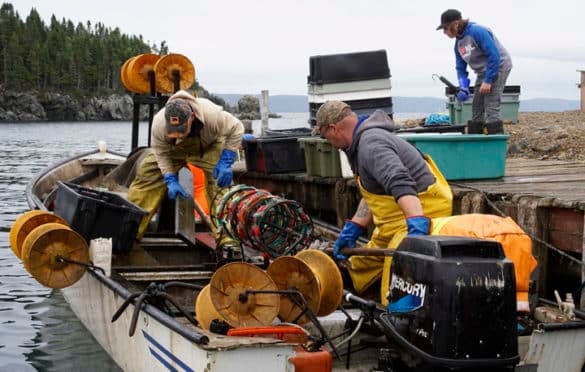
x,y
336,68
275,154
359,104
280,155
508,89
99,214
360,107
251,154
296,132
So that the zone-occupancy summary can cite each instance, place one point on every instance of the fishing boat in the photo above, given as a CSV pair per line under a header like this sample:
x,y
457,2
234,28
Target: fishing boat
x,y
151,291
174,301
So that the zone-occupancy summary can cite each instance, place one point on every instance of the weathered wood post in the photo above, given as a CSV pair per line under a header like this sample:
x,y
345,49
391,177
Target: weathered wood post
x,y
582,87
264,111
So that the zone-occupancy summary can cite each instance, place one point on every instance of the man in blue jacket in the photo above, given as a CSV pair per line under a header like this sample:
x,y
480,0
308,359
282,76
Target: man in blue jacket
x,y
478,47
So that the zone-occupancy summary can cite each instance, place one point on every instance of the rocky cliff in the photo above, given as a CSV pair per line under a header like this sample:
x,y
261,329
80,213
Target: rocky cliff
x,y
29,106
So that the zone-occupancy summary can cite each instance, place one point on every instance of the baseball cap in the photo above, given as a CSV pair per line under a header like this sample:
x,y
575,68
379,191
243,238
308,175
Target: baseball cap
x,y
449,16
177,113
330,112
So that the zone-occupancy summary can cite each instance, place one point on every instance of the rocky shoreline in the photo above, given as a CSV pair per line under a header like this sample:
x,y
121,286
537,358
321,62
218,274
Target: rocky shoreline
x,y
32,107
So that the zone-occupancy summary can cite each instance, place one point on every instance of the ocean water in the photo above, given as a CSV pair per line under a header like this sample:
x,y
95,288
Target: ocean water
x,y
38,330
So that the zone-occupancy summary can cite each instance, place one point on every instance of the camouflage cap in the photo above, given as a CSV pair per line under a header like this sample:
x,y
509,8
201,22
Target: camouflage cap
x,y
329,113
177,113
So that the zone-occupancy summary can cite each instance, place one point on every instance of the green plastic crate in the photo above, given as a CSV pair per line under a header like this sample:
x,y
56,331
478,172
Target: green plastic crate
x,y
460,112
464,156
321,158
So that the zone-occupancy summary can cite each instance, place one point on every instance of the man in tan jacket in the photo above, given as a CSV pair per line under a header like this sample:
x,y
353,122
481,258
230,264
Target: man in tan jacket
x,y
187,130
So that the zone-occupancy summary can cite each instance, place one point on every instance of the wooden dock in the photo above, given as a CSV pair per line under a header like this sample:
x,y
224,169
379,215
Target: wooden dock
x,y
545,197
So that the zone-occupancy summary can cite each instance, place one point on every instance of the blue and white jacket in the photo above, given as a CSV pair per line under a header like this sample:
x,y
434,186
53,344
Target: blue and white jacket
x,y
480,49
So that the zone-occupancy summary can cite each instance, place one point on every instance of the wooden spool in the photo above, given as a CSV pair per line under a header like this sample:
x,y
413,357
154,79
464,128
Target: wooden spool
x,y
228,295
27,222
204,309
293,273
164,72
328,276
137,72
42,248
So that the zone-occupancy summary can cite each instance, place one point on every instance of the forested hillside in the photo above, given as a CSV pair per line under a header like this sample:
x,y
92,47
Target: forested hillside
x,y
65,57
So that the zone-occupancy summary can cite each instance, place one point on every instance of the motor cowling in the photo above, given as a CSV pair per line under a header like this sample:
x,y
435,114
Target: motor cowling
x,y
454,298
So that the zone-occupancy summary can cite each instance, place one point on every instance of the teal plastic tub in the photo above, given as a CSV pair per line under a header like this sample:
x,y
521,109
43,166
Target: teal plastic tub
x,y
464,156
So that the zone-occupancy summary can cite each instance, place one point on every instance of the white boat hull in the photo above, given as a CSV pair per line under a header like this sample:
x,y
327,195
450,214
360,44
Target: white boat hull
x,y
156,347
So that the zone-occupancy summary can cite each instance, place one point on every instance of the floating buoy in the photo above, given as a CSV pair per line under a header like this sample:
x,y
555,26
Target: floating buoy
x,y
27,222
46,251
292,273
204,310
137,72
329,277
165,68
238,307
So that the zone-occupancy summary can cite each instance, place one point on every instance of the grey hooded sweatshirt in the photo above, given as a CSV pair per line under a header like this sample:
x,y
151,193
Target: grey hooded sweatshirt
x,y
386,163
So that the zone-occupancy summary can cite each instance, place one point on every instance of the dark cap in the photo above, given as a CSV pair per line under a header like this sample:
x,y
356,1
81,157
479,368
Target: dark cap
x,y
330,112
177,113
449,16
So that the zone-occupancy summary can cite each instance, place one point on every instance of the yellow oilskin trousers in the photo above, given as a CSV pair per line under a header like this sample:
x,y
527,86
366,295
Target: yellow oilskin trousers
x,y
390,228
148,188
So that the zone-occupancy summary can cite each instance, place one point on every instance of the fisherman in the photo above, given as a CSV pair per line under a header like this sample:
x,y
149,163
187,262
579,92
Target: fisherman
x,y
187,130
400,188
479,48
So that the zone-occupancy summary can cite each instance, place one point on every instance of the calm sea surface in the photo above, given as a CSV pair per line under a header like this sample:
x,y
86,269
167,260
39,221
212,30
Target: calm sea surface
x,y
38,330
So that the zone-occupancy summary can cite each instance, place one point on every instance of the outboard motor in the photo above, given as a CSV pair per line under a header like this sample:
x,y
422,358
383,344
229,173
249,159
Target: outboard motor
x,y
452,305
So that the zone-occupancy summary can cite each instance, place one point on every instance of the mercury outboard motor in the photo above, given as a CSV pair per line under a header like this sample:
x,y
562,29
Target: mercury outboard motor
x,y
452,305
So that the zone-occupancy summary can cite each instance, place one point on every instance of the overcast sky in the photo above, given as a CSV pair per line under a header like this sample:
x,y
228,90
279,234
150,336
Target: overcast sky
x,y
247,46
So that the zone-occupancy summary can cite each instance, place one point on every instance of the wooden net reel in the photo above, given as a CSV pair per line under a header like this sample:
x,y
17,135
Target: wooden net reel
x,y
44,249
169,65
27,222
137,72
239,308
204,309
292,273
329,278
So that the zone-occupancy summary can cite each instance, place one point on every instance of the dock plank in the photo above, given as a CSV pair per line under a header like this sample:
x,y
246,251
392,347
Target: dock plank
x,y
560,180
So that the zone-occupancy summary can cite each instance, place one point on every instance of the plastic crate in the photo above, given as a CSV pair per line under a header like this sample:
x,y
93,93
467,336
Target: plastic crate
x,y
460,112
336,68
360,107
276,154
464,157
352,86
99,214
321,158
251,155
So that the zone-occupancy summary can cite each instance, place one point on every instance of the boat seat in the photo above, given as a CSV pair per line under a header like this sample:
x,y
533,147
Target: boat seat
x,y
102,158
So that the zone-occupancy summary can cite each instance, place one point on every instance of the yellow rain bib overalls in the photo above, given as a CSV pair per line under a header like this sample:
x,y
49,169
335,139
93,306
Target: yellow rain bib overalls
x,y
148,188
390,229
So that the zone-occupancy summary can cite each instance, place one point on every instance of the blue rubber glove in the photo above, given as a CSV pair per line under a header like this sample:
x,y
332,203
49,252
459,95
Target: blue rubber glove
x,y
463,93
223,169
347,238
174,188
247,137
418,225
